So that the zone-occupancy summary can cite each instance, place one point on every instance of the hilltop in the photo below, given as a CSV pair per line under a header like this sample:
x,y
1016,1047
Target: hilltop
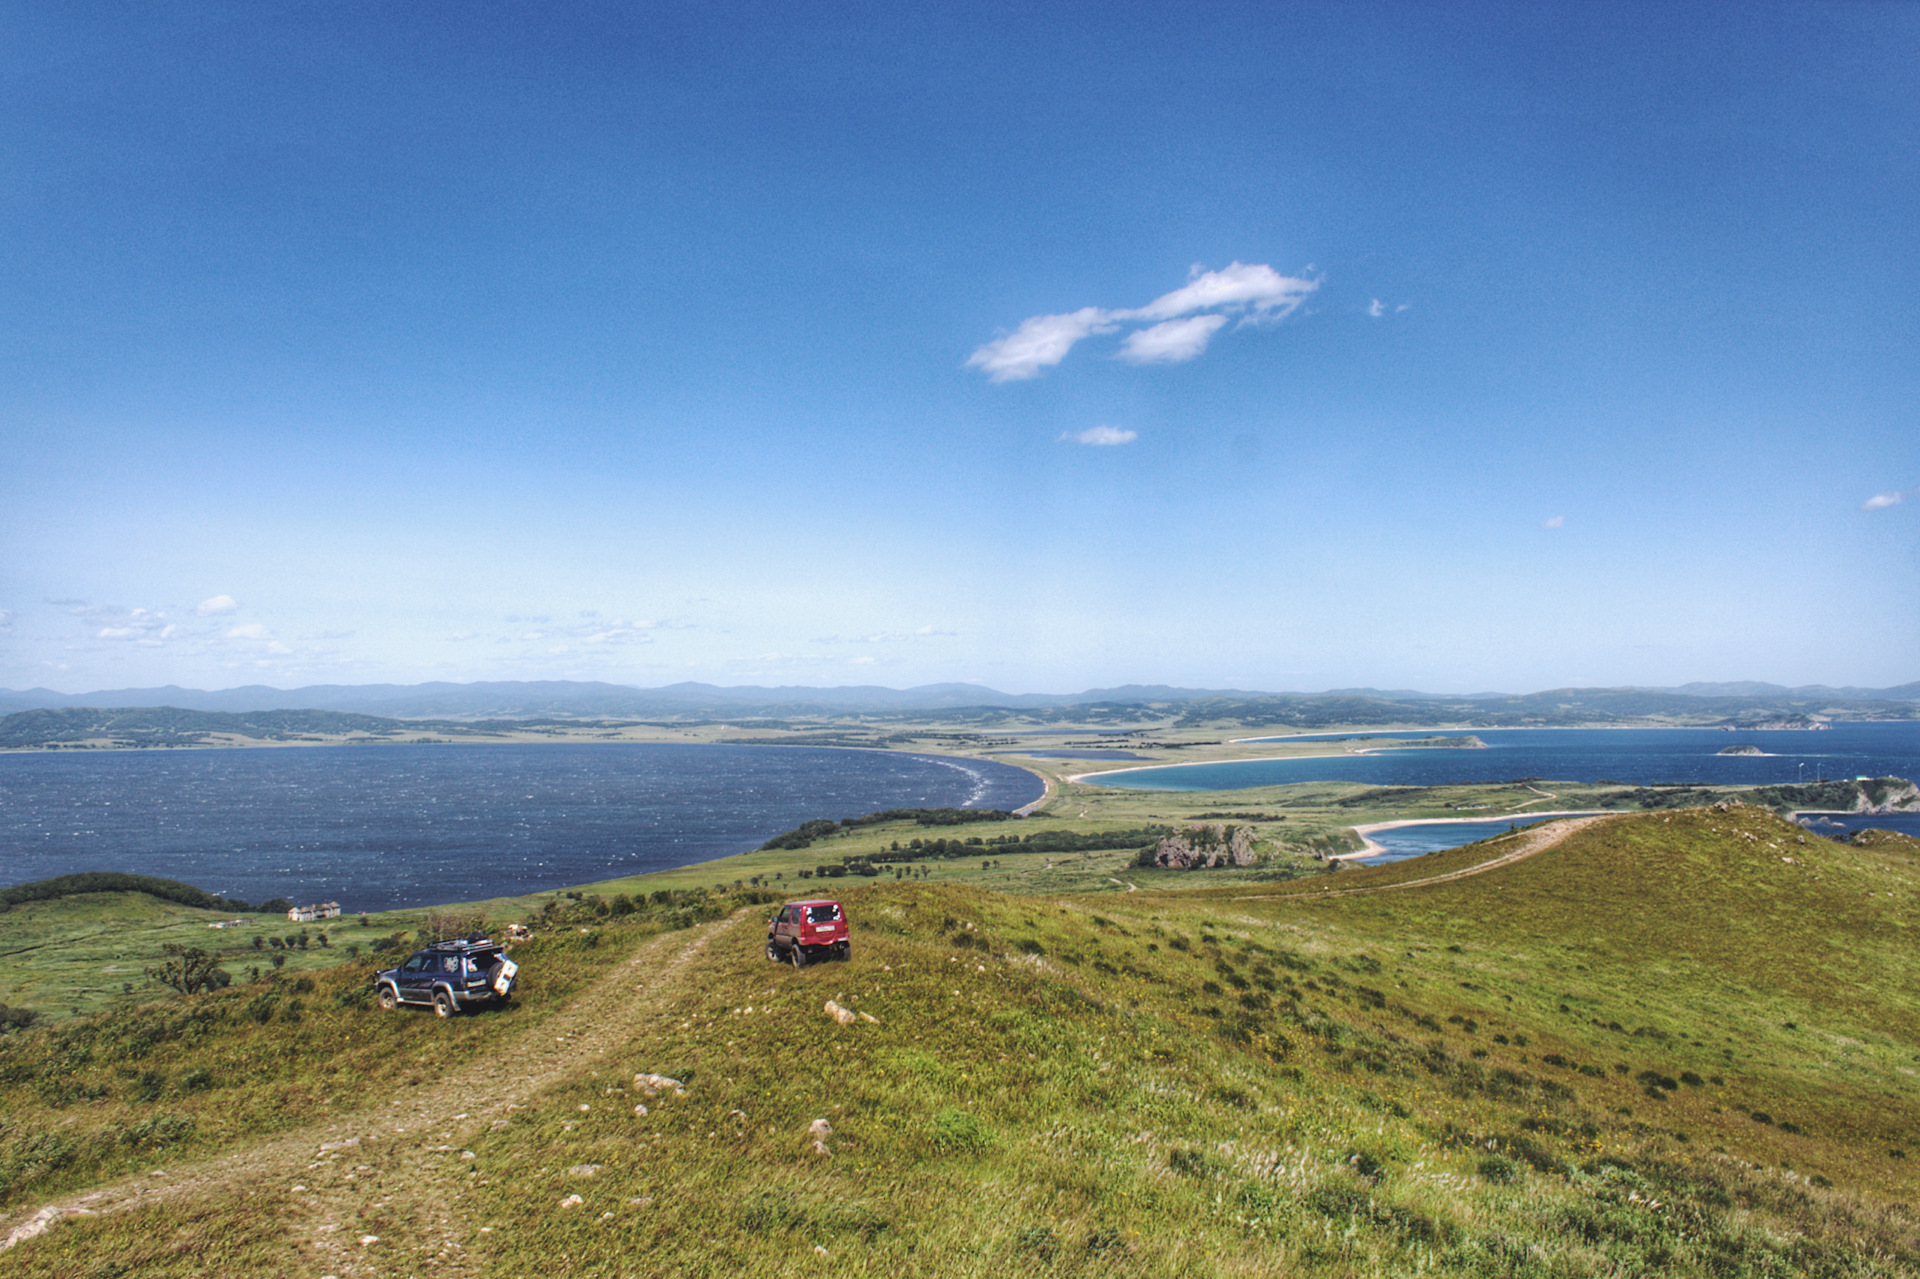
x,y
1676,1042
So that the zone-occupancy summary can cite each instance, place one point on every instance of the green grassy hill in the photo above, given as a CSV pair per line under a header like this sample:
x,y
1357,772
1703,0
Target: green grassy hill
x,y
1675,1043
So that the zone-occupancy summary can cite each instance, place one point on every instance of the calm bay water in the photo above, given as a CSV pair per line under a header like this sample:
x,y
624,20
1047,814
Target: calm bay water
x,y
380,827
1631,756
1403,842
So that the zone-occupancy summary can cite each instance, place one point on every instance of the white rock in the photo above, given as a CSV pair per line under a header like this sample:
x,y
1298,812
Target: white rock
x,y
639,1110
584,1170
367,1241
572,1201
820,1128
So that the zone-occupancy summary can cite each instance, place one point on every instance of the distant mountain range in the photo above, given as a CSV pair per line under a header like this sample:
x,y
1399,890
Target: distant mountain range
x,y
516,699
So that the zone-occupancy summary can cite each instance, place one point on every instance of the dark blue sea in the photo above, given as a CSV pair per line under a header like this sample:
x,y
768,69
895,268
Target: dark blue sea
x,y
380,827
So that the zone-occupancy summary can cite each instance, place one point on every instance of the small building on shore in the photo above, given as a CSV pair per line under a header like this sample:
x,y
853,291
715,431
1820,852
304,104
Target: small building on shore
x,y
307,914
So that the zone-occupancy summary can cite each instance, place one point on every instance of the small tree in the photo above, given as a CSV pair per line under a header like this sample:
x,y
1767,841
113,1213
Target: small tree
x,y
188,969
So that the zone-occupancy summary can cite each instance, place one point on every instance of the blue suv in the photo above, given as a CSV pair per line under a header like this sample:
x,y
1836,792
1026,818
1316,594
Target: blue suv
x,y
450,975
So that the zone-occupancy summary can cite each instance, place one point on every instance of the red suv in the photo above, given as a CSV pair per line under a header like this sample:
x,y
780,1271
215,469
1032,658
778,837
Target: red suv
x,y
808,930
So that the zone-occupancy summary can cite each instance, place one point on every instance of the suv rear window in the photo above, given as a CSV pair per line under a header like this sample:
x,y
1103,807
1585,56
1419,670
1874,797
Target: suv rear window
x,y
822,914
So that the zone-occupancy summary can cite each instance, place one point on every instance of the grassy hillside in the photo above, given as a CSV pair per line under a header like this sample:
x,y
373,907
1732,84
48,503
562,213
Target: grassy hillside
x,y
1678,1043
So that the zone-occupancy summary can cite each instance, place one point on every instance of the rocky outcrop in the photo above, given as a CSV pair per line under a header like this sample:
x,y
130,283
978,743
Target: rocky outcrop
x,y
1202,847
1887,795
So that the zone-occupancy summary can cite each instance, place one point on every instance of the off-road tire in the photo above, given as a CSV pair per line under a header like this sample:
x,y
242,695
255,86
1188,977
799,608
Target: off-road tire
x,y
773,952
443,1005
797,954
846,951
387,999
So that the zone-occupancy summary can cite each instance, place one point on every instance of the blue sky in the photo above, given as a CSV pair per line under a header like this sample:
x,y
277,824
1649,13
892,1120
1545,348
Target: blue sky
x,y
1452,347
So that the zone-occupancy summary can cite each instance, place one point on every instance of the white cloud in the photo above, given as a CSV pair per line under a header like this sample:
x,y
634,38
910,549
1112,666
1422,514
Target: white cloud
x,y
218,604
1255,291
1377,309
620,633
6,620
1258,287
250,631
1040,342
1881,501
1103,435
1172,342
138,625
1557,521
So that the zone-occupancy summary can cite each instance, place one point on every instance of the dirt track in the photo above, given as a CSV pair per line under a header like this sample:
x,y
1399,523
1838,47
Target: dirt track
x,y
1538,839
400,1161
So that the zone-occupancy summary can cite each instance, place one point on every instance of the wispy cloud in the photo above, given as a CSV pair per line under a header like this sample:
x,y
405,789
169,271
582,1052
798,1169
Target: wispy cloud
x,y
128,625
1102,435
255,633
1555,521
1172,341
217,605
6,620
1881,501
1040,342
1256,292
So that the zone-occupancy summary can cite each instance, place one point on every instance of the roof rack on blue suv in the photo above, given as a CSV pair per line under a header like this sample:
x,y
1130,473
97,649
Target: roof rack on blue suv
x,y
451,976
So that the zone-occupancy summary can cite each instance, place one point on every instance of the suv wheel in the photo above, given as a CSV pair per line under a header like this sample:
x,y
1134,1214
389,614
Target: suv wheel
x,y
846,951
798,954
773,952
388,1000
443,1004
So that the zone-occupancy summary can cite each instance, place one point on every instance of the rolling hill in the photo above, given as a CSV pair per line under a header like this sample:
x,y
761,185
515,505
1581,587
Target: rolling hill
x,y
1678,1043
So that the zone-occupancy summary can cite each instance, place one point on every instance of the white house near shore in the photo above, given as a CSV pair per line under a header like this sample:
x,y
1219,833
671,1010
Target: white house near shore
x,y
307,914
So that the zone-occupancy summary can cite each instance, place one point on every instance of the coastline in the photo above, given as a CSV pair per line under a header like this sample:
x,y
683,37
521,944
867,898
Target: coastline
x,y
1240,759
1373,849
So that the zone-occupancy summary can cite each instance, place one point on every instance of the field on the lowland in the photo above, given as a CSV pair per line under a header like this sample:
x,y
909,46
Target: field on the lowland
x,y
1682,1043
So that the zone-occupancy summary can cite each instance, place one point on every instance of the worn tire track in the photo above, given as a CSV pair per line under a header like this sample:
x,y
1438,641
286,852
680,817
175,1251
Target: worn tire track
x,y
400,1159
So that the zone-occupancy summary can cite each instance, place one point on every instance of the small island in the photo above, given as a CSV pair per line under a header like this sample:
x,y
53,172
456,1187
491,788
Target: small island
x,y
1740,750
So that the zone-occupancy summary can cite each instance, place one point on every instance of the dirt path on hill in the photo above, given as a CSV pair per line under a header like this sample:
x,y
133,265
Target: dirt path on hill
x,y
1537,839
399,1163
